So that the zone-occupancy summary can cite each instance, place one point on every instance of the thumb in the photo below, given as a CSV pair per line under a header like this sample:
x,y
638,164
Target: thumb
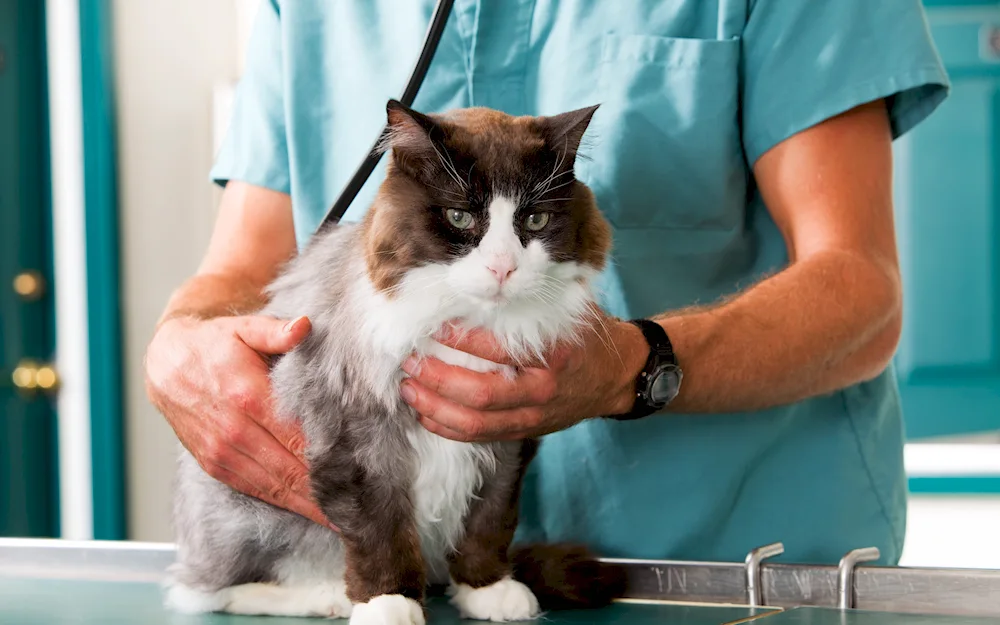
x,y
268,335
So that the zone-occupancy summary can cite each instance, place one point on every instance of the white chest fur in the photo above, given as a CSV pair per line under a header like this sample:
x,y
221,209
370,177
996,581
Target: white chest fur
x,y
448,475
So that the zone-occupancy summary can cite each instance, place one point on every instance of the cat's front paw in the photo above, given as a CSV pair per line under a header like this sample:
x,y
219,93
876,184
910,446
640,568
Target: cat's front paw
x,y
506,600
388,610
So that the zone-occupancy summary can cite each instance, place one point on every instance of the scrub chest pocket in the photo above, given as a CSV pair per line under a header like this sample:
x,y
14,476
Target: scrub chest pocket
x,y
664,148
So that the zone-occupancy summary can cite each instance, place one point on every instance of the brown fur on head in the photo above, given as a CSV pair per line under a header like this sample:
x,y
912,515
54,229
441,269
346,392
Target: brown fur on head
x,y
463,161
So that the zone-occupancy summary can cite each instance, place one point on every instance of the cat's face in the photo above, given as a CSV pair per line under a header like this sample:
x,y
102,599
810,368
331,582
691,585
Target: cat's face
x,y
484,208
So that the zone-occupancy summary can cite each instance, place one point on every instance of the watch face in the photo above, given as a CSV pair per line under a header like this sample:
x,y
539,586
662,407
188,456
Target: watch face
x,y
665,385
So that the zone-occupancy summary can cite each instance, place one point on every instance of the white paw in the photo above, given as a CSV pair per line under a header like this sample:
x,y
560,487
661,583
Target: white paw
x,y
341,605
185,600
388,610
506,600
327,599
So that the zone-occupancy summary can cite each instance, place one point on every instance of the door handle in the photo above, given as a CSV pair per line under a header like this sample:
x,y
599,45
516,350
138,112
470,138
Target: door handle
x,y
29,285
30,377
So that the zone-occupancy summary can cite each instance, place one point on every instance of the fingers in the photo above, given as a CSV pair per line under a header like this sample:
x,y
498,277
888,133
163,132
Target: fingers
x,y
264,464
291,501
482,344
255,441
436,428
483,391
476,342
248,392
287,432
461,423
268,335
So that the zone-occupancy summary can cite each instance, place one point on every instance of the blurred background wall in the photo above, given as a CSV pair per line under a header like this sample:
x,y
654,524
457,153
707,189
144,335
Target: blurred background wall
x,y
176,61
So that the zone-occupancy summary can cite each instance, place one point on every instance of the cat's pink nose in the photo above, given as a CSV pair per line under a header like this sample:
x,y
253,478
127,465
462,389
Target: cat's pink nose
x,y
501,269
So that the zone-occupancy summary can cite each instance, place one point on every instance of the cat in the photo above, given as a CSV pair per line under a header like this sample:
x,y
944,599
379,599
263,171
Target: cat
x,y
480,221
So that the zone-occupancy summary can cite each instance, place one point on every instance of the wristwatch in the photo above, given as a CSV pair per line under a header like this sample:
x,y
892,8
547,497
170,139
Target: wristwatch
x,y
660,379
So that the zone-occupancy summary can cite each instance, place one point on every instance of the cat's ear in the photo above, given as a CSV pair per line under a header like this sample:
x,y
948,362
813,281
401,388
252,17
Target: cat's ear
x,y
411,136
563,132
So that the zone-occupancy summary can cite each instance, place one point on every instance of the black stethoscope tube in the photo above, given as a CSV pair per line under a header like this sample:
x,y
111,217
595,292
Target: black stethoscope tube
x,y
441,13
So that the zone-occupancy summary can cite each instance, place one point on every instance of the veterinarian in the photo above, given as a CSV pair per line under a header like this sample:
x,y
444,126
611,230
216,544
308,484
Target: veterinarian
x,y
741,152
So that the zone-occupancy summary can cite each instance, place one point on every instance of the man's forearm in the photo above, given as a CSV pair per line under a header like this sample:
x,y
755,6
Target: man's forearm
x,y
822,324
214,295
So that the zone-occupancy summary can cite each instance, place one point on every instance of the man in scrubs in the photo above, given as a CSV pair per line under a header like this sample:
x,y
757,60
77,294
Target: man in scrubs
x,y
741,152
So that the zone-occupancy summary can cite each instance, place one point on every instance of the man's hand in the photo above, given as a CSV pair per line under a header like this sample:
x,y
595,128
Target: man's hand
x,y
592,378
209,378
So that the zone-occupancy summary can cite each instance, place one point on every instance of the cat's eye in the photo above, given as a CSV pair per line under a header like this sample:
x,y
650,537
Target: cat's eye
x,y
536,221
458,218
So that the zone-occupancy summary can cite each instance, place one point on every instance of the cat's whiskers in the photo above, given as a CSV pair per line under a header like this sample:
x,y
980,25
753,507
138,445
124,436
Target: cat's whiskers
x,y
409,281
409,285
448,193
449,167
548,289
547,293
449,300
554,188
545,297
552,175
550,278
606,340
543,186
452,164
468,178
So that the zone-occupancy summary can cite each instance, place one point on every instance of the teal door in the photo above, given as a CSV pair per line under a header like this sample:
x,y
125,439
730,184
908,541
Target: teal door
x,y
948,217
28,461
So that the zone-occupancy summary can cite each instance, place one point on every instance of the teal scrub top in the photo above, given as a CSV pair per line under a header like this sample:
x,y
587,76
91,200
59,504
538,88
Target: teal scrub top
x,y
692,93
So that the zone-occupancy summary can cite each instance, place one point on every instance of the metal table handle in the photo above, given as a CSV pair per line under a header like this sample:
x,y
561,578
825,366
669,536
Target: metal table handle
x,y
755,589
845,574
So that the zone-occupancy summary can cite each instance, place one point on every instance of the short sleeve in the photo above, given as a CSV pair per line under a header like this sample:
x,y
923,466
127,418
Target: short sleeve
x,y
255,149
805,61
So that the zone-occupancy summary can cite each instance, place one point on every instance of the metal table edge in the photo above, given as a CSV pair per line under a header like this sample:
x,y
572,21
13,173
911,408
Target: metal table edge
x,y
909,590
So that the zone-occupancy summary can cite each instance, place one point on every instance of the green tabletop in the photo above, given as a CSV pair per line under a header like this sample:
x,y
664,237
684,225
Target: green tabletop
x,y
64,602
79,602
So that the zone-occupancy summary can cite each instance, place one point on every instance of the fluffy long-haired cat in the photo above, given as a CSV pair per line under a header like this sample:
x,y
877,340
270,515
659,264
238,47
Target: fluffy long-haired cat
x,y
480,220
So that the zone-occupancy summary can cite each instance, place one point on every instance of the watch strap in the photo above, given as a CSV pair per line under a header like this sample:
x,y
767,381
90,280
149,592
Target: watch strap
x,y
656,336
661,351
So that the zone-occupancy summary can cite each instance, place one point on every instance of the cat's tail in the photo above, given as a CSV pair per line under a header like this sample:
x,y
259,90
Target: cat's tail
x,y
566,576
